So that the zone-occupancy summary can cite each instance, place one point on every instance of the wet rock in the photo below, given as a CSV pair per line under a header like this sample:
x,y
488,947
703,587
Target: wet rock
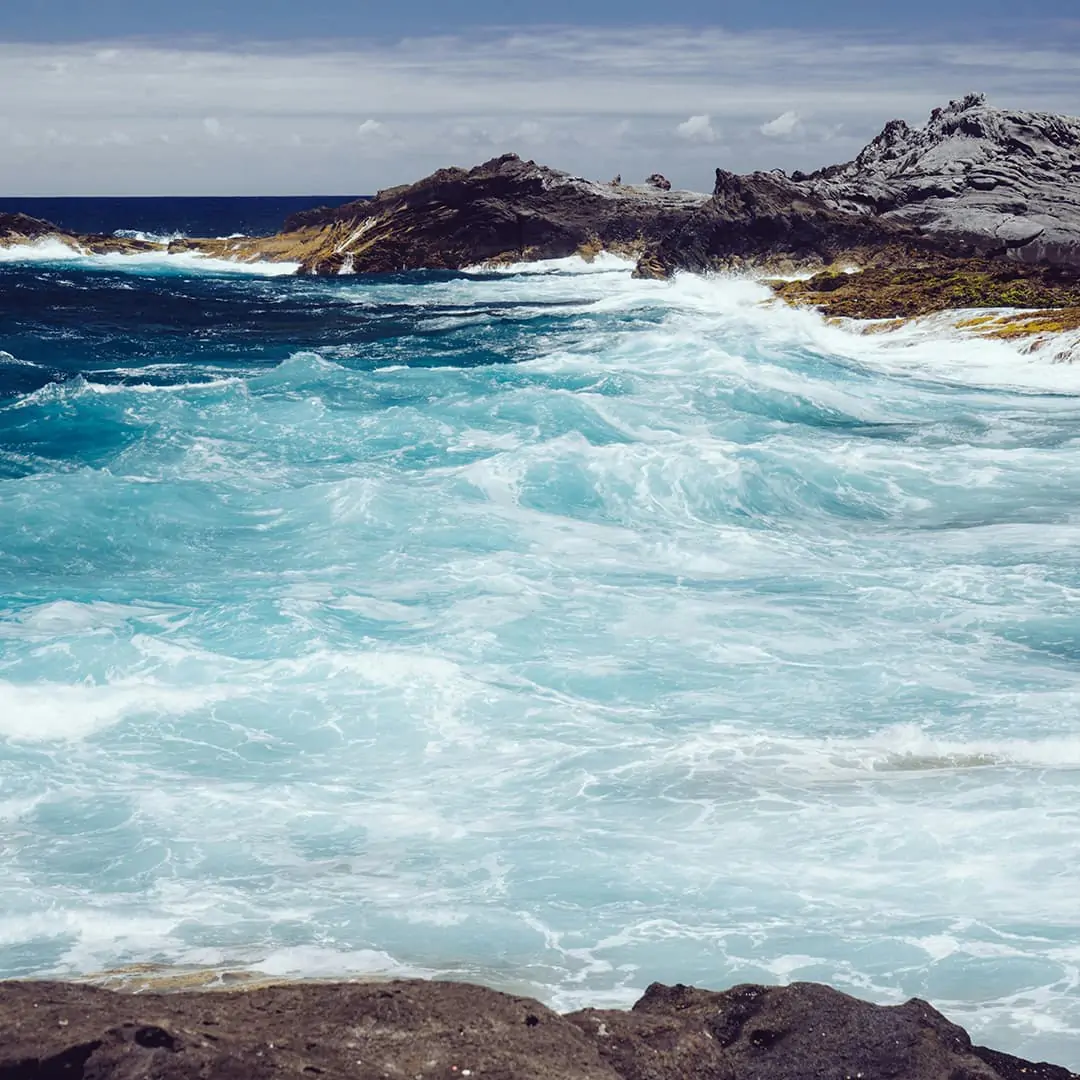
x,y
410,1029
796,1032
17,230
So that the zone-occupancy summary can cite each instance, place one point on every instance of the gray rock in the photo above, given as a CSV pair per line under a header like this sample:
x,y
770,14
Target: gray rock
x,y
1006,181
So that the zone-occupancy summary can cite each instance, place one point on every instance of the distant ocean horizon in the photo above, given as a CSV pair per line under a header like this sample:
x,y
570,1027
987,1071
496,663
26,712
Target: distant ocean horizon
x,y
188,215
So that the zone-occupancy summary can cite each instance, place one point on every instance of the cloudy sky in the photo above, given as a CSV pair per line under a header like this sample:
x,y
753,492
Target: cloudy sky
x,y
344,96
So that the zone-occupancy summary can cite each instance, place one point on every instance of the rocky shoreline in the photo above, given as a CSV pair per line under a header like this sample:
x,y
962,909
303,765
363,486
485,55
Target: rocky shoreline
x,y
419,1029
978,209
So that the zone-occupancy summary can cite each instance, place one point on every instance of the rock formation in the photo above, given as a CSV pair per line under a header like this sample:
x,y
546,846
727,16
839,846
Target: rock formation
x,y
1007,181
369,1031
915,207
975,180
765,220
506,210
21,229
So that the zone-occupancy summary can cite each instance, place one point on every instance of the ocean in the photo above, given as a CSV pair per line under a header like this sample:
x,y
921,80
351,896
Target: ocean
x,y
544,627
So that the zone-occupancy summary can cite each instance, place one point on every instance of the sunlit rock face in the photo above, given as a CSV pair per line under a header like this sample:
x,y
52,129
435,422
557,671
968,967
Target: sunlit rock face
x,y
1006,179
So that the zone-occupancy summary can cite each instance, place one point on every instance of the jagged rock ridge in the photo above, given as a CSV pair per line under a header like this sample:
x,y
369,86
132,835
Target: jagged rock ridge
x,y
504,210
1008,181
413,1029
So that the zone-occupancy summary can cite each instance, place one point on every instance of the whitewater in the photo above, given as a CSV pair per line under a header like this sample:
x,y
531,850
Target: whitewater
x,y
546,628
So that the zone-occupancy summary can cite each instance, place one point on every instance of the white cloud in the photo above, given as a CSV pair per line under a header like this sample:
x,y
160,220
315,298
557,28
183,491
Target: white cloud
x,y
230,119
371,130
697,129
784,124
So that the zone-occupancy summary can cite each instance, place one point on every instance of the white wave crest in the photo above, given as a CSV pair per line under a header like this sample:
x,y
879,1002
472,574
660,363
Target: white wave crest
x,y
53,251
8,360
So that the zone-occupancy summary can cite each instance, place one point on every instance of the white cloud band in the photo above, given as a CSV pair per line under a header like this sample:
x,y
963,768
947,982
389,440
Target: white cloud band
x,y
122,117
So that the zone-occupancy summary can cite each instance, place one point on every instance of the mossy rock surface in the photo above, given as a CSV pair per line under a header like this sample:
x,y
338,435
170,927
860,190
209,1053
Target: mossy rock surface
x,y
904,290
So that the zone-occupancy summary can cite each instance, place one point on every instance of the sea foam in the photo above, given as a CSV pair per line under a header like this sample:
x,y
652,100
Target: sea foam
x,y
553,629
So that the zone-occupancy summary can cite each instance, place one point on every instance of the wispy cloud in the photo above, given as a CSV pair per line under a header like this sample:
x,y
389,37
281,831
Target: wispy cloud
x,y
119,117
784,124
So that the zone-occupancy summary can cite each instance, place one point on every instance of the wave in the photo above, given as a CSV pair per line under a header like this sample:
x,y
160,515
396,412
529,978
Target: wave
x,y
8,360
149,237
55,252
709,641
603,263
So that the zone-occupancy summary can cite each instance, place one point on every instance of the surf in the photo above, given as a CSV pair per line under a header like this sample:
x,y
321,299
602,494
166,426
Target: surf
x,y
541,626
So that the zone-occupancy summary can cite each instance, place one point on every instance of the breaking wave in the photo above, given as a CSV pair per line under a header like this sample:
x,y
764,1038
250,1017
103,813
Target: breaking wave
x,y
541,626
57,253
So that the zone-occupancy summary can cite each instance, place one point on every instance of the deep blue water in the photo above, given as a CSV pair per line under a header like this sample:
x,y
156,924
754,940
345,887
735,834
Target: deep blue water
x,y
204,215
544,627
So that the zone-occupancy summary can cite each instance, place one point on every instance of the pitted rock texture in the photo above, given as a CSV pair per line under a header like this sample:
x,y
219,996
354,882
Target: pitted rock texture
x,y
410,1029
1006,180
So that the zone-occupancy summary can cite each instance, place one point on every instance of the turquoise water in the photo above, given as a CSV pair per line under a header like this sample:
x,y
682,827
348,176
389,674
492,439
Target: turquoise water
x,y
546,628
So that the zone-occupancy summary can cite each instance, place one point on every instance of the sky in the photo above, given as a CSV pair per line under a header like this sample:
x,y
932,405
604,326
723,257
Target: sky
x,y
124,97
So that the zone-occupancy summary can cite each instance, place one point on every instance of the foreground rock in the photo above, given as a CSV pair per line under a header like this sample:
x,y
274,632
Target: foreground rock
x,y
506,210
437,1029
19,230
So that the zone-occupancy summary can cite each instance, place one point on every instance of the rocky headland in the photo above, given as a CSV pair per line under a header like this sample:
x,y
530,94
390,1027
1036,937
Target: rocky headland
x,y
419,1029
506,210
979,208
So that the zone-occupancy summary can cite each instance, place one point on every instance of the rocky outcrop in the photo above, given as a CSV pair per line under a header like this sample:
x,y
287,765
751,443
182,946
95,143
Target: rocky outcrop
x,y
23,229
767,221
1006,181
17,230
422,1029
505,210
975,181
925,285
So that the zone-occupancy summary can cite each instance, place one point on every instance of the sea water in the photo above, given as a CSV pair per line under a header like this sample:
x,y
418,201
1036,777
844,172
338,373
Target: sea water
x,y
545,628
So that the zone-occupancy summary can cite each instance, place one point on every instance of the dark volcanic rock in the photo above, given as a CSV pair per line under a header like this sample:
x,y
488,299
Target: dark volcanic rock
x,y
795,1032
19,229
50,1031
1005,180
767,219
505,210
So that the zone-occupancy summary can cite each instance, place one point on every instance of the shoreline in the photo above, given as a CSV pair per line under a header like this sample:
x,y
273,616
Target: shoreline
x,y
855,299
